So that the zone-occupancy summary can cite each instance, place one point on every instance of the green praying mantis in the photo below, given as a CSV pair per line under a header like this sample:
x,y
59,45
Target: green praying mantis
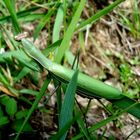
x,y
86,86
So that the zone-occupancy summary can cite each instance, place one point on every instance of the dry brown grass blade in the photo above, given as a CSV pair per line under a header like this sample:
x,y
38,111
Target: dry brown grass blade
x,y
6,91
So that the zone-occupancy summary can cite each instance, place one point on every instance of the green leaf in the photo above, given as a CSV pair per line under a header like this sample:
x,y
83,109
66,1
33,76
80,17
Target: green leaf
x,y
11,107
10,6
4,99
21,114
4,120
68,104
18,123
1,112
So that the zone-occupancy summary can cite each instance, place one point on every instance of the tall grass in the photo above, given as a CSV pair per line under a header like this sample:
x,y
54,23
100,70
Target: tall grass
x,y
21,60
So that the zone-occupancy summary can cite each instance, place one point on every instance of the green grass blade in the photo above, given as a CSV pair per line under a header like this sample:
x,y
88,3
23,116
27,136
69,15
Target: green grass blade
x,y
136,14
105,121
82,41
58,23
99,14
10,39
29,64
22,73
7,55
58,95
43,22
126,102
24,99
12,12
31,17
81,124
21,57
68,104
129,24
38,98
65,128
29,92
22,15
70,58
68,35
52,47
3,79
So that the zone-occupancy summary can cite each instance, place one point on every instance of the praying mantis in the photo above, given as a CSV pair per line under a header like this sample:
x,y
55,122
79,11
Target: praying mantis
x,y
86,86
